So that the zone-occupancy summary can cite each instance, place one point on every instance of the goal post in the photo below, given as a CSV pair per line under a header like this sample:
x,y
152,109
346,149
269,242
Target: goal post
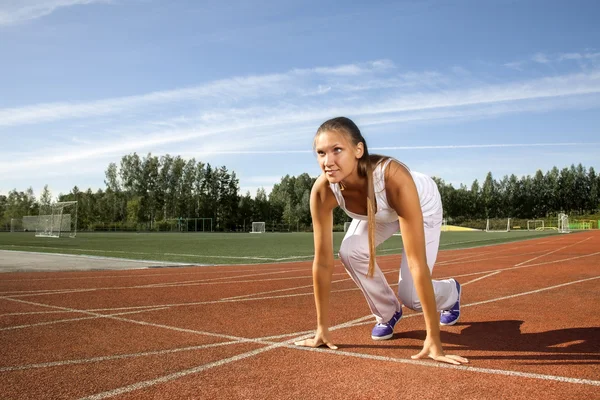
x,y
535,225
563,223
258,227
497,225
61,222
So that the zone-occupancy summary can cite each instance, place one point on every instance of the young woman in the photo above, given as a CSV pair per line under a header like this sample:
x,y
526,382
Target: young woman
x,y
381,195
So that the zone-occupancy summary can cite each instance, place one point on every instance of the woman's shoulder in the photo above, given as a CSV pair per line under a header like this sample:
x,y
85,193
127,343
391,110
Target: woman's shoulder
x,y
396,171
322,191
321,185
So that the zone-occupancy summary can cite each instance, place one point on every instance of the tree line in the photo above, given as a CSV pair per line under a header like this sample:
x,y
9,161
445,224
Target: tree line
x,y
170,193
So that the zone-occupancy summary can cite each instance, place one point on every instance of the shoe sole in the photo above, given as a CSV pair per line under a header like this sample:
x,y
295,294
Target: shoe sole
x,y
456,320
386,337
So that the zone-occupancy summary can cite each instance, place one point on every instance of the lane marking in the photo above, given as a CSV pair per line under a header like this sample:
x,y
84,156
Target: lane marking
x,y
213,269
115,357
554,251
512,296
480,278
10,328
271,346
304,294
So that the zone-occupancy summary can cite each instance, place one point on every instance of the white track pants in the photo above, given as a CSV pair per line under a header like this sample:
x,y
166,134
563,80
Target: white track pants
x,y
354,253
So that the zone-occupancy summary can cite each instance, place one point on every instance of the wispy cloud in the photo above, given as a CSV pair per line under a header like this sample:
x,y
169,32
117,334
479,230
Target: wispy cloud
x,y
262,114
584,59
278,89
13,12
540,58
296,82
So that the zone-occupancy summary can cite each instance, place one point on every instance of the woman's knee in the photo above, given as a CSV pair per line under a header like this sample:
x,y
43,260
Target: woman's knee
x,y
408,297
353,248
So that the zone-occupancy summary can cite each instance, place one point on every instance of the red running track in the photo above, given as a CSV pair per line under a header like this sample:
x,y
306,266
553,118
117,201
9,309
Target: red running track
x,y
530,327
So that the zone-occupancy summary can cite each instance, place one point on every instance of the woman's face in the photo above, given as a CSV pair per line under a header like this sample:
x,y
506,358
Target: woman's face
x,y
337,156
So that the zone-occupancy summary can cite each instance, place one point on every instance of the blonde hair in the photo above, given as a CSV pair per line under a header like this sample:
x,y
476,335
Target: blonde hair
x,y
366,164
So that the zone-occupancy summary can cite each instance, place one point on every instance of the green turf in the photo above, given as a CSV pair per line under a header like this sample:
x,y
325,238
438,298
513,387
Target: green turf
x,y
225,248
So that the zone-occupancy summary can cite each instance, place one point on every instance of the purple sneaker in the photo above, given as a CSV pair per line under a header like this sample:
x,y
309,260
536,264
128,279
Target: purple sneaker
x,y
451,316
384,331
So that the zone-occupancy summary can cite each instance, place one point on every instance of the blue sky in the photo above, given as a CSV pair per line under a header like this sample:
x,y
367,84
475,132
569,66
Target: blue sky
x,y
452,88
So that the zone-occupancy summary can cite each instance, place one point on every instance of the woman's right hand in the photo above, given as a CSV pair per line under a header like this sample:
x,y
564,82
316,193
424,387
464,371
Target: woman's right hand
x,y
321,338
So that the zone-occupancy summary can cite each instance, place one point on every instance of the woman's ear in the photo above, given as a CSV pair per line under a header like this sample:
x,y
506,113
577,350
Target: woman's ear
x,y
360,150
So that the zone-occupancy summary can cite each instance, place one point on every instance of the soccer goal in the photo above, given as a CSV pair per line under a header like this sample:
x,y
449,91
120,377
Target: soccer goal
x,y
497,225
61,222
535,225
563,223
258,227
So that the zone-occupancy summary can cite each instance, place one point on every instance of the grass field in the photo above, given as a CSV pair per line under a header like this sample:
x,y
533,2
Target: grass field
x,y
225,248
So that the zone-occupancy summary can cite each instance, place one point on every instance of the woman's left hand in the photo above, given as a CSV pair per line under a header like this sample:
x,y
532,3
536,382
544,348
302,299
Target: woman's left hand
x,y
432,348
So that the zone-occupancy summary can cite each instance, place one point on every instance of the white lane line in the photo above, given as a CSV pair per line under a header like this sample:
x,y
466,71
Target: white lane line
x,y
480,278
177,375
216,269
554,251
430,364
557,261
303,294
512,296
385,272
211,281
286,344
465,368
10,328
170,377
485,258
115,357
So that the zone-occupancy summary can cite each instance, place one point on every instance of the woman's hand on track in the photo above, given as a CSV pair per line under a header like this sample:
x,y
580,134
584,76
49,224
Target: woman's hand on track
x,y
321,339
432,348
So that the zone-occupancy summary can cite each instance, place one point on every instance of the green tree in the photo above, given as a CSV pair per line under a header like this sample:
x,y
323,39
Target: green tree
x,y
45,202
245,211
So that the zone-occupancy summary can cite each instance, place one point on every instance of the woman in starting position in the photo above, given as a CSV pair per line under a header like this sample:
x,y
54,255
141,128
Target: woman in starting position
x,y
381,195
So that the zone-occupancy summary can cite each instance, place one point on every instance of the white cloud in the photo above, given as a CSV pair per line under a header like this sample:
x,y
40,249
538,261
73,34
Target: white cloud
x,y
13,12
269,115
578,56
518,65
540,58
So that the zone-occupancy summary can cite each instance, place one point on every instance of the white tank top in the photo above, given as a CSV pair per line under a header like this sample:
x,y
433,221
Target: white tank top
x,y
429,196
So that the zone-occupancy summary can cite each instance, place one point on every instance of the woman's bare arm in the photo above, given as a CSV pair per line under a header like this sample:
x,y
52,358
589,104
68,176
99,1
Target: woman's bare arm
x,y
322,203
403,197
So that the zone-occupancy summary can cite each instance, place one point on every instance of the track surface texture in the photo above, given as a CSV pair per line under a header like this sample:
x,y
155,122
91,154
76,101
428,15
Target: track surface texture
x,y
529,326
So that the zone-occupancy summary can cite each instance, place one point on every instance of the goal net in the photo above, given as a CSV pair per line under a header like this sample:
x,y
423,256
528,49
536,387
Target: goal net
x,y
258,227
62,221
497,225
563,223
535,225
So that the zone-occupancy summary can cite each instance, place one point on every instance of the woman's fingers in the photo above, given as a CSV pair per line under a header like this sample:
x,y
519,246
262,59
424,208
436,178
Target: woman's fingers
x,y
449,358
424,353
305,343
446,360
460,359
331,346
315,343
